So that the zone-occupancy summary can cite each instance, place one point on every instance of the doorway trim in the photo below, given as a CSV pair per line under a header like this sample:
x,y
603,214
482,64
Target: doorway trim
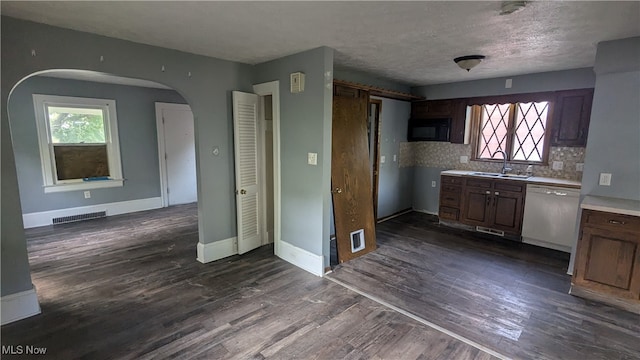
x,y
162,147
273,88
375,184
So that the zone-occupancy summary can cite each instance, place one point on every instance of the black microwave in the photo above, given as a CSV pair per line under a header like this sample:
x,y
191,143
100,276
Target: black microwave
x,y
429,129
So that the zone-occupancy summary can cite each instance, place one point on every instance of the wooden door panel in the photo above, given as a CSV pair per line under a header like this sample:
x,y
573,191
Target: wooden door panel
x,y
508,210
608,262
475,207
351,172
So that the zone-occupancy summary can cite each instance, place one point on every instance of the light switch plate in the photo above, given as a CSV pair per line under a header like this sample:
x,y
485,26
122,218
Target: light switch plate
x,y
87,194
312,158
382,159
395,158
508,83
433,183
557,165
605,179
215,151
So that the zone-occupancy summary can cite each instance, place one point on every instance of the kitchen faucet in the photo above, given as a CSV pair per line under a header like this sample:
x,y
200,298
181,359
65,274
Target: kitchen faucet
x,y
504,163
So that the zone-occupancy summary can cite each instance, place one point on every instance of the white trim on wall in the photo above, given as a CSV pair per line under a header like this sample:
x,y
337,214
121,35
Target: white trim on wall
x,y
217,250
19,306
301,258
273,88
45,218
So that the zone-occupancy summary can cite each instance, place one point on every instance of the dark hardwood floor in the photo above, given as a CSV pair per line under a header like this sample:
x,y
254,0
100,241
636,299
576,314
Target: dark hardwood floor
x,y
129,287
510,297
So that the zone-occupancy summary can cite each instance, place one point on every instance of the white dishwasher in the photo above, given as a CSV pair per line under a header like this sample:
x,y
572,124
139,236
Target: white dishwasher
x,y
550,215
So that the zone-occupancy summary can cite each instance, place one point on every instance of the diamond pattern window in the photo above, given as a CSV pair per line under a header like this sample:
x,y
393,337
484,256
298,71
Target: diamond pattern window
x,y
518,129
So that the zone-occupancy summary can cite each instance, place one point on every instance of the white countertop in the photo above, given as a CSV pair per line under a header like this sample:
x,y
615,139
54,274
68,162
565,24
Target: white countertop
x,y
612,205
531,180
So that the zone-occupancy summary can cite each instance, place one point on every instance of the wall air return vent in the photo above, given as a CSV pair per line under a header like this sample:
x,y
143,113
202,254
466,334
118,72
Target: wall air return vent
x,y
79,217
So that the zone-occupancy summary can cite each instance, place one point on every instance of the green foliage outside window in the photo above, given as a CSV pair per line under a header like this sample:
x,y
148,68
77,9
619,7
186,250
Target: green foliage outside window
x,y
76,126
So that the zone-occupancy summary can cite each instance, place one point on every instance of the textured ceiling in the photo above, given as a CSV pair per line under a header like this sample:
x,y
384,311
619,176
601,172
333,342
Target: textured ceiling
x,y
409,42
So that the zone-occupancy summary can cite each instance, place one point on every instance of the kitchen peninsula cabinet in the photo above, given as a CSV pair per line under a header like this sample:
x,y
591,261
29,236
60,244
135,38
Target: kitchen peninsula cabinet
x,y
495,204
607,266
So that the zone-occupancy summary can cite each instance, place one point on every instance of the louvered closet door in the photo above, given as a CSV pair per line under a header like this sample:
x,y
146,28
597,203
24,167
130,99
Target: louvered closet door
x,y
245,135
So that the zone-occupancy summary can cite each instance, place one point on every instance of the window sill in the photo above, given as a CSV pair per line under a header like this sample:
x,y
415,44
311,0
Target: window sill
x,y
85,185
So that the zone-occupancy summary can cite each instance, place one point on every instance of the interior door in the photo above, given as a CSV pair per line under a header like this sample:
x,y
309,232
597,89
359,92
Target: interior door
x,y
245,136
351,174
180,153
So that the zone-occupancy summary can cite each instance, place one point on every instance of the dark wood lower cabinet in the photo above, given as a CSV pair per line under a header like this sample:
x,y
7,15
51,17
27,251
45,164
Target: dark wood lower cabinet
x,y
607,264
487,204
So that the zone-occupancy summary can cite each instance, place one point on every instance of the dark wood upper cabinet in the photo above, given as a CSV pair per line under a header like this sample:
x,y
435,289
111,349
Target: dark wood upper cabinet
x,y
454,109
572,112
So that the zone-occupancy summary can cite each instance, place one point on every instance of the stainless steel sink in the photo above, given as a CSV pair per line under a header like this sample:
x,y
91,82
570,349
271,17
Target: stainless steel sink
x,y
513,176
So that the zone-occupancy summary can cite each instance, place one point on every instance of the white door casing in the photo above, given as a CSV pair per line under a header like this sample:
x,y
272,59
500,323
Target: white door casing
x,y
176,150
247,171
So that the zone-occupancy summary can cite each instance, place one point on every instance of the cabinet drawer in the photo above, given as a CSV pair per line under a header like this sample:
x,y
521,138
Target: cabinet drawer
x,y
509,186
450,188
478,183
611,221
449,213
451,199
456,180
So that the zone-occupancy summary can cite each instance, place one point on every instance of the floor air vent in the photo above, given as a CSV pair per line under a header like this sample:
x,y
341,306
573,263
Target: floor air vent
x,y
79,217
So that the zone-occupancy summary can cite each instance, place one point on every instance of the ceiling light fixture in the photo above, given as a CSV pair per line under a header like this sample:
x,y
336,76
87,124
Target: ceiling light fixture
x,y
468,62
509,7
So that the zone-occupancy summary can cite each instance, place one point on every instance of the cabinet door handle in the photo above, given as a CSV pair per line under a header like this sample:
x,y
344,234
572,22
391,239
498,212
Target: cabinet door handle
x,y
616,222
488,200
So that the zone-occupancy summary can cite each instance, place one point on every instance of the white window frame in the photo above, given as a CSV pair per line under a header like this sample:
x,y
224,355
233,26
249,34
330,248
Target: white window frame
x,y
50,182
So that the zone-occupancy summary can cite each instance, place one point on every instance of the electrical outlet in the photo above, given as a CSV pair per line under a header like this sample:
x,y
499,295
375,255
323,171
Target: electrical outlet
x,y
312,158
87,194
557,165
464,159
382,159
433,183
579,166
215,151
605,179
508,83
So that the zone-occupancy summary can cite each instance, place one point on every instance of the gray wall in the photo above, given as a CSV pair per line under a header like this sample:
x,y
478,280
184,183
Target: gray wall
x,y
425,197
614,132
548,81
135,107
305,126
208,92
396,183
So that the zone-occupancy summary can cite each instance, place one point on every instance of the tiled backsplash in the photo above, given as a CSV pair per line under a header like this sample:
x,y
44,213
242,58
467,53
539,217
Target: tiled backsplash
x,y
446,155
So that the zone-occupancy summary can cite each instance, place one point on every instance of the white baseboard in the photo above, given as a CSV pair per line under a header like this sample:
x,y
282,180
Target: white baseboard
x,y
217,250
19,306
426,212
301,258
45,218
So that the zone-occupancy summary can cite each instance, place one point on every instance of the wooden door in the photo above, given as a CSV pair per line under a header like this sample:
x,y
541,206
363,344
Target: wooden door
x,y
245,141
476,206
608,262
572,113
507,211
351,174
179,153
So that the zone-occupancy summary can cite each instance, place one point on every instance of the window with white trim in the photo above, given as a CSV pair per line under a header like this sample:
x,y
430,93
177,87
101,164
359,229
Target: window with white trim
x,y
78,138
